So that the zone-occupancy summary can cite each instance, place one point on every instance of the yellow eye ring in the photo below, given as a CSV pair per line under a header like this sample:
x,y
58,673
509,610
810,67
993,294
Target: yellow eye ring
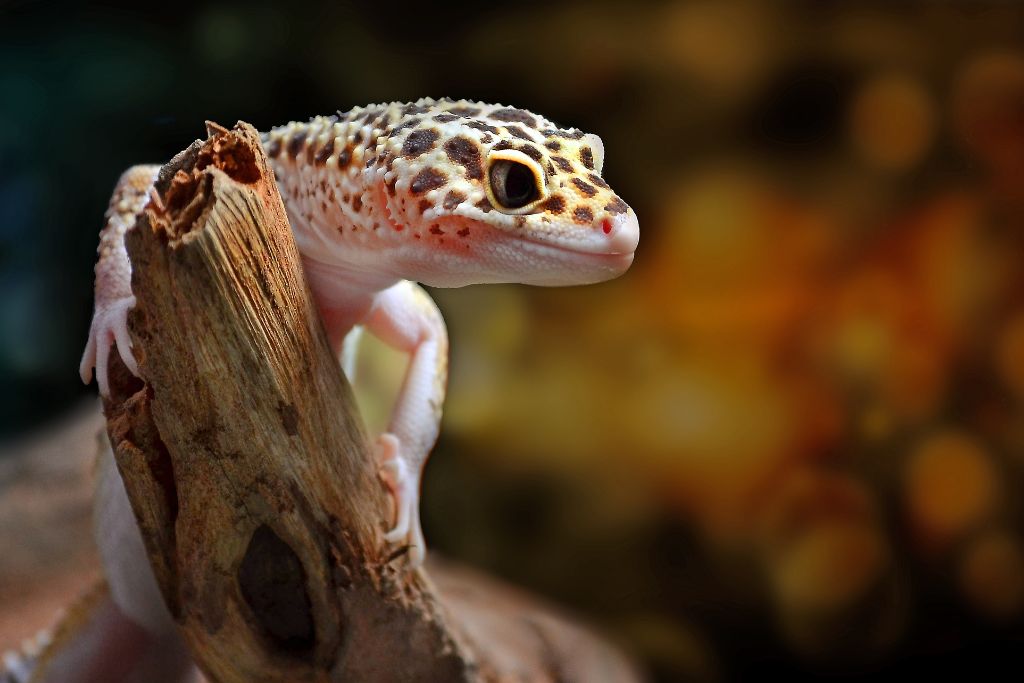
x,y
515,182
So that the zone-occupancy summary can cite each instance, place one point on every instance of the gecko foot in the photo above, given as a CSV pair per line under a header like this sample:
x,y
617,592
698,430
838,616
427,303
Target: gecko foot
x,y
403,484
109,327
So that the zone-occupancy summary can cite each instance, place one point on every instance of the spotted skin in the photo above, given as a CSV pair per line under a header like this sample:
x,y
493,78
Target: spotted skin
x,y
425,156
381,198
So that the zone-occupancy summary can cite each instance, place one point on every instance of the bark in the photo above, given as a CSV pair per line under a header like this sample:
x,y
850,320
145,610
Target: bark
x,y
248,471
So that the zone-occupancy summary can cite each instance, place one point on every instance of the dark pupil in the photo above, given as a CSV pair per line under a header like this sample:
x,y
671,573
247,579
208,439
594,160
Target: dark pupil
x,y
513,184
519,184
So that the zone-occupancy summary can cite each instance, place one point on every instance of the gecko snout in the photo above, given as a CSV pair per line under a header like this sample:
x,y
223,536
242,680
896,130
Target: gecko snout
x,y
623,232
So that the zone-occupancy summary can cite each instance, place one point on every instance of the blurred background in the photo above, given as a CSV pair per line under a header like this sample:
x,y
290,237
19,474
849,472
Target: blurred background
x,y
790,441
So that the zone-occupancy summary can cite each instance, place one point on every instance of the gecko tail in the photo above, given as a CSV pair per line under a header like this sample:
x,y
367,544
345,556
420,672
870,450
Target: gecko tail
x,y
94,642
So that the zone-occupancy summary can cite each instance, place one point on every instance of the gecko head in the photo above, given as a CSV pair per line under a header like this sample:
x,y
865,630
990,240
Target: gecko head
x,y
501,194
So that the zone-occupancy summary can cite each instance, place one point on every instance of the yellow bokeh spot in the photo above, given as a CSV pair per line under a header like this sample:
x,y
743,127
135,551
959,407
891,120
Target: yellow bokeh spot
x,y
1010,354
992,575
892,123
831,565
951,486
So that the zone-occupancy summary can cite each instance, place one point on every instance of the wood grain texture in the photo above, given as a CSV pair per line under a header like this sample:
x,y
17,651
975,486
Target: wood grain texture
x,y
247,467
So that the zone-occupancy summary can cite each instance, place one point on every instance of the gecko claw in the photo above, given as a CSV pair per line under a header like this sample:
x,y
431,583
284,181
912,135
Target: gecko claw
x,y
403,484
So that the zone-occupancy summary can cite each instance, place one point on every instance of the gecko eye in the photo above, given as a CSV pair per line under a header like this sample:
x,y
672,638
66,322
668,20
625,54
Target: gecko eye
x,y
515,181
513,184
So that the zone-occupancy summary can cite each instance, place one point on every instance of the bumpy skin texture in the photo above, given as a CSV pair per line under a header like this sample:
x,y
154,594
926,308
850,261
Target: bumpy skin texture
x,y
445,193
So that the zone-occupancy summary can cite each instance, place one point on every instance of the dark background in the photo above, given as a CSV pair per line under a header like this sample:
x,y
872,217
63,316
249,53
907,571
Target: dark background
x,y
788,441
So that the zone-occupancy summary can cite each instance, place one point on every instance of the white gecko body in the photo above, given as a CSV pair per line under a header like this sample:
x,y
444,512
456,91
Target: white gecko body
x,y
445,193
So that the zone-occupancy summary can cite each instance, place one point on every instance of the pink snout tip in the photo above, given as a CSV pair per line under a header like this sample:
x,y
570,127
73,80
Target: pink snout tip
x,y
623,232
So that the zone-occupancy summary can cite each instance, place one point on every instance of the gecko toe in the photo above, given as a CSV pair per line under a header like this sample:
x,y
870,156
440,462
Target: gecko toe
x,y
102,358
124,349
88,360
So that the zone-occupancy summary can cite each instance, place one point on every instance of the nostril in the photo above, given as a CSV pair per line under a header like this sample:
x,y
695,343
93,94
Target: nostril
x,y
607,226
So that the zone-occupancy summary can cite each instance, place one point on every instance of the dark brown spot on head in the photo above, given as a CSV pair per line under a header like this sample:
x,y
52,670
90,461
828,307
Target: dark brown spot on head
x,y
503,144
562,163
570,133
587,157
463,233
531,151
445,118
585,188
582,214
419,141
296,143
554,204
424,205
480,125
484,205
520,221
326,151
553,145
616,206
519,133
357,200
462,150
426,180
513,114
358,137
408,123
435,229
414,109
598,180
344,156
486,138
465,111
453,199
551,168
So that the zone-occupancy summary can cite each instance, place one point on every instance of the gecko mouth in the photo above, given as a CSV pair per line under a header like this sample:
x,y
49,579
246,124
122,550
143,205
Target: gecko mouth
x,y
597,251
582,253
616,239
605,262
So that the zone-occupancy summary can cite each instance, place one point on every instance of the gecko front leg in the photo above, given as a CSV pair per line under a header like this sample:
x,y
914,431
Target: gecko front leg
x,y
405,317
113,294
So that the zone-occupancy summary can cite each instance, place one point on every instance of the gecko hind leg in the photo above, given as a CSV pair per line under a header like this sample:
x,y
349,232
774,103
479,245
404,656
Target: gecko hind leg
x,y
404,485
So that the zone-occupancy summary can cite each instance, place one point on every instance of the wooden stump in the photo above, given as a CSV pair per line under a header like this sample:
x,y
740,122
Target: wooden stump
x,y
248,471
